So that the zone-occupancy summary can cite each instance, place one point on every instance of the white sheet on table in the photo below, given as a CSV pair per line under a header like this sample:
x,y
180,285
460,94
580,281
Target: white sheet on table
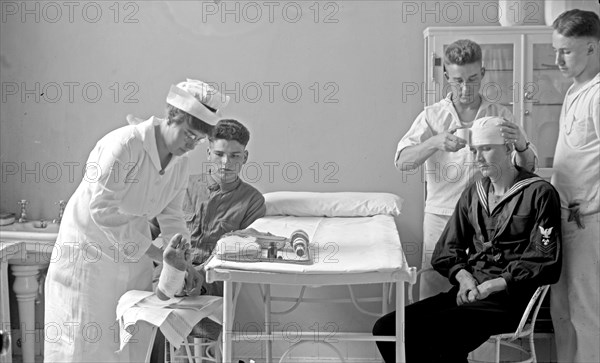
x,y
175,317
348,244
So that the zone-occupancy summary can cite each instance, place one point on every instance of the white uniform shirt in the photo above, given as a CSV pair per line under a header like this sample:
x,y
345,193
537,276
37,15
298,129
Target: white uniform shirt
x,y
447,173
122,188
577,157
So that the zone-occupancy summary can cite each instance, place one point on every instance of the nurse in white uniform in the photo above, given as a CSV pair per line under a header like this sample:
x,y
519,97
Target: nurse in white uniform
x,y
104,248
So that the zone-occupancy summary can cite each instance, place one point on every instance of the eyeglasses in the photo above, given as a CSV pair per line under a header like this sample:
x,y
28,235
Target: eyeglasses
x,y
467,83
192,139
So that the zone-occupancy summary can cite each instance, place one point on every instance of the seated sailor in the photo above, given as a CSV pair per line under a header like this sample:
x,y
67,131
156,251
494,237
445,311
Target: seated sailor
x,y
501,243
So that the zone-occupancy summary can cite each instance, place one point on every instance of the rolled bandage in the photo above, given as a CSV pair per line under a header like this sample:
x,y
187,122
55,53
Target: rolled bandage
x,y
299,242
171,280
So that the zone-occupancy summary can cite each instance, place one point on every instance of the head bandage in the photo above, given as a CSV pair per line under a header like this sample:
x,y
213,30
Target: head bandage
x,y
198,99
171,280
486,131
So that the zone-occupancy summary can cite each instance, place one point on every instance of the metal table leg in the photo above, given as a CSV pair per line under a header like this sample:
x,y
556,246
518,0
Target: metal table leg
x,y
228,315
400,322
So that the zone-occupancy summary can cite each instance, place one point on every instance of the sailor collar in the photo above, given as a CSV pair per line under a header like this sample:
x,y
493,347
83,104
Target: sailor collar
x,y
522,180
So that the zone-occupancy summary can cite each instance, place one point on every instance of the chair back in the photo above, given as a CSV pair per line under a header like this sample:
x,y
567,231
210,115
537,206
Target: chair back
x,y
532,310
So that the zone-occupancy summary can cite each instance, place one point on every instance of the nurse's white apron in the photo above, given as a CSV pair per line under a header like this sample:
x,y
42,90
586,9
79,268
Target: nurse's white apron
x,y
83,288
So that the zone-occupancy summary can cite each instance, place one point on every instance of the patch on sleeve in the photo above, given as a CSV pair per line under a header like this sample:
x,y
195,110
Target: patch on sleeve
x,y
546,244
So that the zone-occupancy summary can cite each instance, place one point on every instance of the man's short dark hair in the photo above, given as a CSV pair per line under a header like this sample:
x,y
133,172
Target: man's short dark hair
x,y
229,129
461,52
578,23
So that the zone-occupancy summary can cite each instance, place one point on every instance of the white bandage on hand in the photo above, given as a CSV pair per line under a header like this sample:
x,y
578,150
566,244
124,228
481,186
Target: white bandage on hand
x,y
171,280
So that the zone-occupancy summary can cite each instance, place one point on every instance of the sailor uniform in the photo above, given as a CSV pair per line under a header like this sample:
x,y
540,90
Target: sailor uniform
x,y
518,240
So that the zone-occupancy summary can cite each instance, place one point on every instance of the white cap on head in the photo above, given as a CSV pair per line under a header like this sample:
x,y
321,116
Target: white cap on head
x,y
198,99
487,131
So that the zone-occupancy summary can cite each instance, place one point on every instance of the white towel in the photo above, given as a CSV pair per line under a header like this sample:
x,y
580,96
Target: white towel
x,y
175,317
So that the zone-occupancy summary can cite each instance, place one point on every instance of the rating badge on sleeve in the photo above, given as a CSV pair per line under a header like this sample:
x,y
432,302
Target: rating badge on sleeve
x,y
545,235
546,244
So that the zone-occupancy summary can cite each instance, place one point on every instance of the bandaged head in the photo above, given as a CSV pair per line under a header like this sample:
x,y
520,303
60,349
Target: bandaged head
x,y
486,131
198,99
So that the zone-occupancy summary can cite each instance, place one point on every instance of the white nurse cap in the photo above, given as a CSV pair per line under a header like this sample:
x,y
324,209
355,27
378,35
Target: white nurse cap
x,y
199,99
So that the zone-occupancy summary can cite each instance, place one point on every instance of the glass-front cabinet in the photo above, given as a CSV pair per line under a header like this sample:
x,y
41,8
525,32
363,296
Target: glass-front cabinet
x,y
520,74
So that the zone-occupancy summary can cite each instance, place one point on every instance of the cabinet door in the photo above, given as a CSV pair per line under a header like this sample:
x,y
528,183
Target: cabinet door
x,y
543,93
500,54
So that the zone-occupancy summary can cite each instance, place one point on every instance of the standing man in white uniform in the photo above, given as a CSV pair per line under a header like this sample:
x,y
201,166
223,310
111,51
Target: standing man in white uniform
x,y
104,249
575,302
448,166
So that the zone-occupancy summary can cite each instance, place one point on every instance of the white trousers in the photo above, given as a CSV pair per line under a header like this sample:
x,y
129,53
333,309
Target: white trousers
x,y
575,299
432,283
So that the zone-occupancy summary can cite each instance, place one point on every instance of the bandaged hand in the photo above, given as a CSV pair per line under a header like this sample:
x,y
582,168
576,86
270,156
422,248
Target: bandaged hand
x,y
176,259
467,291
491,286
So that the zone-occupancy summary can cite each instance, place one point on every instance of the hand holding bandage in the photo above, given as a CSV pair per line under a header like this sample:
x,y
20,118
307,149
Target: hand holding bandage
x,y
448,141
176,259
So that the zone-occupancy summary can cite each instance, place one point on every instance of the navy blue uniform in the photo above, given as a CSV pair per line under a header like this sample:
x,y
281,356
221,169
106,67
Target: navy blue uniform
x,y
519,240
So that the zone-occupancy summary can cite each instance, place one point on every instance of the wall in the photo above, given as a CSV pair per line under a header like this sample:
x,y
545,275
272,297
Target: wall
x,y
71,71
